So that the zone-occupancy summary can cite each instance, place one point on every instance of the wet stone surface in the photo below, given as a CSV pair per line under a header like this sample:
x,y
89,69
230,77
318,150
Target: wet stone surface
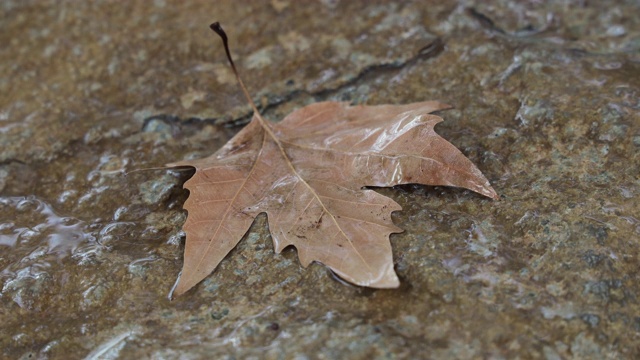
x,y
547,105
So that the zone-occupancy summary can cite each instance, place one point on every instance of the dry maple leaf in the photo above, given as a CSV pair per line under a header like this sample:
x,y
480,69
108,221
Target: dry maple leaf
x,y
308,174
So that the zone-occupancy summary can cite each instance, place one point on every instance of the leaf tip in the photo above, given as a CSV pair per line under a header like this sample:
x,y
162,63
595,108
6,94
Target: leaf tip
x,y
390,281
179,288
445,106
488,191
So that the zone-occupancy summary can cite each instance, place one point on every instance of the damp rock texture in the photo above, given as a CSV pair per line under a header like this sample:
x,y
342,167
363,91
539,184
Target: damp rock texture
x,y
547,104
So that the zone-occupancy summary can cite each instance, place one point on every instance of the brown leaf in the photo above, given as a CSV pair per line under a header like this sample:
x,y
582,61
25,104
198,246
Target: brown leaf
x,y
308,174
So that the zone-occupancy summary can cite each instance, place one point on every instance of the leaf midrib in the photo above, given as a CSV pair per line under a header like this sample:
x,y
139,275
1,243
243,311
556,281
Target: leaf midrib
x,y
265,125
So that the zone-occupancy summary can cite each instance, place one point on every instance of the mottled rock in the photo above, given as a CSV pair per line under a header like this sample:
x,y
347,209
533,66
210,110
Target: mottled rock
x,y
100,95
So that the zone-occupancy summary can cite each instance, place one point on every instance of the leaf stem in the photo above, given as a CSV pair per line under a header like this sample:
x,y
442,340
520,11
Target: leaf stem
x,y
217,28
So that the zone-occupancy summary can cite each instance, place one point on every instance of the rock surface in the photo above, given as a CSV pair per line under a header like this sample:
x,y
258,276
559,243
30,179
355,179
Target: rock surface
x,y
546,103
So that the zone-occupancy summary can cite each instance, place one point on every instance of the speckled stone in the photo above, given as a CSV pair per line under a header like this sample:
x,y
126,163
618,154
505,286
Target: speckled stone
x,y
98,95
